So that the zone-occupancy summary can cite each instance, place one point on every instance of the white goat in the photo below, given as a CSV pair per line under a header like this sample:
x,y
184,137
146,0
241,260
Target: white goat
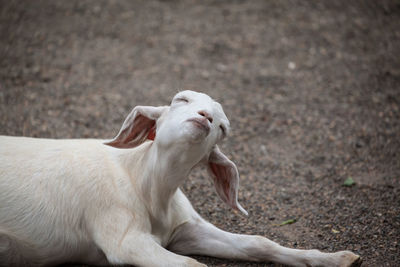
x,y
119,202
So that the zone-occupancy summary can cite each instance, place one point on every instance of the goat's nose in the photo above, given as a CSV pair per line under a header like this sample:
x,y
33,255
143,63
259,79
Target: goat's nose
x,y
206,114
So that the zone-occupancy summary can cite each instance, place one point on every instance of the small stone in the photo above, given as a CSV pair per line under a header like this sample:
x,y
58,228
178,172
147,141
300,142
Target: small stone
x,y
205,74
292,65
221,67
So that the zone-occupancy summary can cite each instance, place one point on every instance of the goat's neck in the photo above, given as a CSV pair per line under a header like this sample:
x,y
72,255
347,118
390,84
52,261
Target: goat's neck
x,y
165,170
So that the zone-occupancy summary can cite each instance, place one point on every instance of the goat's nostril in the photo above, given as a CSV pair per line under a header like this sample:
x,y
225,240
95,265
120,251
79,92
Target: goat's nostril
x,y
205,114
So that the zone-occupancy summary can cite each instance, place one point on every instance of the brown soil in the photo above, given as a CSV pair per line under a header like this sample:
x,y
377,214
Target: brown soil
x,y
312,89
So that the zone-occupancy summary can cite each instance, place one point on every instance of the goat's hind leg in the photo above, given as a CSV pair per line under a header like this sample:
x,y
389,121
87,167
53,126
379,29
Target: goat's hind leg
x,y
199,237
14,252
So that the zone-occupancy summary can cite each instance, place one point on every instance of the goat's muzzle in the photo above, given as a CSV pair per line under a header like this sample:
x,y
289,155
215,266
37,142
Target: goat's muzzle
x,y
201,123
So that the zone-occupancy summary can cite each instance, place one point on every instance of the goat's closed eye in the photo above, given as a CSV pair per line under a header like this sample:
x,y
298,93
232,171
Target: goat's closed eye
x,y
182,99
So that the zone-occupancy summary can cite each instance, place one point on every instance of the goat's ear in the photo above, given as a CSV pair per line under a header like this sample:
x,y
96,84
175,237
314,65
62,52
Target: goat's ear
x,y
225,177
138,126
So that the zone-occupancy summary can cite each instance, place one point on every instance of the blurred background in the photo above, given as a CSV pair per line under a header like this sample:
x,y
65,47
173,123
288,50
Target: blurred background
x,y
312,90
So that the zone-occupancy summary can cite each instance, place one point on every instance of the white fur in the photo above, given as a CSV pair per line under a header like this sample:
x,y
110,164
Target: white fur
x,y
119,201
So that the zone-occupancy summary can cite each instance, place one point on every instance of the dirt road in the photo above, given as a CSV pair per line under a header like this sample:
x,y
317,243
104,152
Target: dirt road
x,y
312,89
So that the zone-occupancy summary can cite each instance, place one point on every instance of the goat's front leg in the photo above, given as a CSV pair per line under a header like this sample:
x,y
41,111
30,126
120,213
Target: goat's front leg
x,y
202,238
123,244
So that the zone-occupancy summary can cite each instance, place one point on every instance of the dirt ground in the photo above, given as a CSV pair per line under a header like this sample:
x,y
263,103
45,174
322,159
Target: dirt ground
x,y
312,90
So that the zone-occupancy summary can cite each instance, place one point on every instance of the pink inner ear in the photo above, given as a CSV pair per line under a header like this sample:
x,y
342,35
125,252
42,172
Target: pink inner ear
x,y
141,123
152,133
135,133
226,178
222,181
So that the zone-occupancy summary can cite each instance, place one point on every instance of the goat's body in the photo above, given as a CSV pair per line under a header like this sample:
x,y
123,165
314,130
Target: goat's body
x,y
48,211
42,206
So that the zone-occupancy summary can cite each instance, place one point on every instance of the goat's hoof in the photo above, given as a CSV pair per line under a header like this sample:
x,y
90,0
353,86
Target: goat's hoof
x,y
357,262
349,259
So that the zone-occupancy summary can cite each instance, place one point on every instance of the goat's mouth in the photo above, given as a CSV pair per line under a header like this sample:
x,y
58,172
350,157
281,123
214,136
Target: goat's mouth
x,y
200,123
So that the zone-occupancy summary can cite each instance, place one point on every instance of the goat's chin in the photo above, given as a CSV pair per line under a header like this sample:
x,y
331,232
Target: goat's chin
x,y
195,135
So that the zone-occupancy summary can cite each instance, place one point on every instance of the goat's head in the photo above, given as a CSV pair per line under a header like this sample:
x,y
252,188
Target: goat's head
x,y
194,124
